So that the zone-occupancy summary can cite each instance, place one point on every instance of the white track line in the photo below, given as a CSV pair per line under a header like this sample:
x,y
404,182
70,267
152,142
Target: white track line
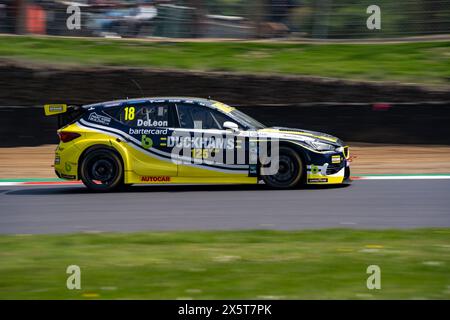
x,y
409,177
5,184
399,177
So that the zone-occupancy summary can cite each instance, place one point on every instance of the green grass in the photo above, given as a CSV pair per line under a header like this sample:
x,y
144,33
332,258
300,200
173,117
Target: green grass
x,y
325,264
427,62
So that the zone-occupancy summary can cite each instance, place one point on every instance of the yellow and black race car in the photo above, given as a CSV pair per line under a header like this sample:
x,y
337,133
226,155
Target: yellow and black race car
x,y
177,140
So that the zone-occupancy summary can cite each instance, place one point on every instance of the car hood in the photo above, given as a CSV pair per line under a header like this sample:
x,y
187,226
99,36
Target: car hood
x,y
300,135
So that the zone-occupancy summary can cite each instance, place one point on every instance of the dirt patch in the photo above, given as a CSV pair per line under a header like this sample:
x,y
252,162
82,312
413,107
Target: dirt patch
x,y
35,162
373,159
27,162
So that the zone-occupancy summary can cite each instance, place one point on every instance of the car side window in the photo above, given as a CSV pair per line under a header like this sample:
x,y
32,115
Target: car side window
x,y
221,118
145,115
113,112
196,117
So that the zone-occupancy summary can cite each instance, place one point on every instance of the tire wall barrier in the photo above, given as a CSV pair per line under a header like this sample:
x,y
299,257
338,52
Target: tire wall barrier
x,y
37,85
418,123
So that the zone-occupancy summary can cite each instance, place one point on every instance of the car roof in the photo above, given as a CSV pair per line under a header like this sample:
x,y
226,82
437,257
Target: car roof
x,y
116,103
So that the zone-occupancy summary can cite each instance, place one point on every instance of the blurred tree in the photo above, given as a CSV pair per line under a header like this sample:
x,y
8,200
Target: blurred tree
x,y
301,19
197,16
279,10
19,9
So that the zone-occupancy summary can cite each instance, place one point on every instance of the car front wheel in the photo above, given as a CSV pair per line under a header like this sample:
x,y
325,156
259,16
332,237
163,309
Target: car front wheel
x,y
290,170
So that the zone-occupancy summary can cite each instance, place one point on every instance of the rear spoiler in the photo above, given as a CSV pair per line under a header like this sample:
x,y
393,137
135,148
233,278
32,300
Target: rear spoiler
x,y
66,113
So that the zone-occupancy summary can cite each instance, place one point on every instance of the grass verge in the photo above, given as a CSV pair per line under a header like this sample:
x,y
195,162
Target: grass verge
x,y
427,62
322,264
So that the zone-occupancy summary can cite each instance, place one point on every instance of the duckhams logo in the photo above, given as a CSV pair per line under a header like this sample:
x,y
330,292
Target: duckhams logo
x,y
94,117
201,142
232,150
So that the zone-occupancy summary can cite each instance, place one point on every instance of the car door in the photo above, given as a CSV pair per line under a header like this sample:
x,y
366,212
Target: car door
x,y
211,150
147,126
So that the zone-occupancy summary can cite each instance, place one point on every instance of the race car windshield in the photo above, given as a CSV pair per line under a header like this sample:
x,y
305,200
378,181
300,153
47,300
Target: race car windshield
x,y
247,120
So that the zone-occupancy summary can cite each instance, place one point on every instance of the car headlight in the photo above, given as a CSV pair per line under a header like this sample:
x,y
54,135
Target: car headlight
x,y
320,146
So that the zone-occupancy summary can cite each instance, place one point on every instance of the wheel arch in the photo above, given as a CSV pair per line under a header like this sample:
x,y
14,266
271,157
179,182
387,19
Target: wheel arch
x,y
302,152
97,147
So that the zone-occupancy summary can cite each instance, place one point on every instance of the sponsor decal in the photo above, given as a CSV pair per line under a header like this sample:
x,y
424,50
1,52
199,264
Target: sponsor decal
x,y
94,117
67,176
223,107
146,142
253,171
335,159
147,131
202,153
68,167
151,123
314,169
155,179
51,109
163,141
200,142
114,104
318,180
56,108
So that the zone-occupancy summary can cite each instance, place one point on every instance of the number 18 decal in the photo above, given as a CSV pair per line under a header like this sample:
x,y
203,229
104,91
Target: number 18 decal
x,y
129,113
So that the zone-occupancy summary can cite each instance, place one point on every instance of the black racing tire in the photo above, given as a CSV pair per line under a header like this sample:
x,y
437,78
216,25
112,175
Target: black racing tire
x,y
290,172
101,170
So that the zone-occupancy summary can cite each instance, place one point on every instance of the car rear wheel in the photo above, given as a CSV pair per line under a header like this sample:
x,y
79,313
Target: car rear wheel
x,y
102,170
290,170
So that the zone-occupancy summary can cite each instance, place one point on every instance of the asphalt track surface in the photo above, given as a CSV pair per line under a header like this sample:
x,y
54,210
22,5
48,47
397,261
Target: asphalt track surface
x,y
370,204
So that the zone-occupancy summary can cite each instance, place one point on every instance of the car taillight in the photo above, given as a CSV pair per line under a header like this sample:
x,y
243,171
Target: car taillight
x,y
65,136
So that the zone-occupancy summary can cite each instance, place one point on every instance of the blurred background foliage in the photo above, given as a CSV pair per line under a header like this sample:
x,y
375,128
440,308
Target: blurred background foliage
x,y
247,19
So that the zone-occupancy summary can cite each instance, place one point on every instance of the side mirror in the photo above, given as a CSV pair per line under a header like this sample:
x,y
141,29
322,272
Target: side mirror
x,y
231,125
